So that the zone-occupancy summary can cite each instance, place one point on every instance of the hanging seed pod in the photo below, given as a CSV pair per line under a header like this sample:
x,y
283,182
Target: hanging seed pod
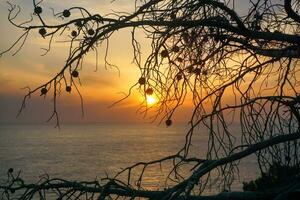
x,y
38,10
168,122
74,33
91,32
44,91
78,24
178,77
75,74
42,31
68,88
149,91
10,170
66,13
164,53
142,81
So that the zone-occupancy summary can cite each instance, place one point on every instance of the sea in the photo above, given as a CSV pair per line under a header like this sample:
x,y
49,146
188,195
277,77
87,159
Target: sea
x,y
83,152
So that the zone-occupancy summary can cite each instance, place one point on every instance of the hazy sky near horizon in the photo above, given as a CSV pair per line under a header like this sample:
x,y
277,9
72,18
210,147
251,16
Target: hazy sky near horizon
x,y
99,88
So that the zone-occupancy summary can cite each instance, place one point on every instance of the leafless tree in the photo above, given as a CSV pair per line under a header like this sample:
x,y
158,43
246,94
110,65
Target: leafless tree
x,y
206,49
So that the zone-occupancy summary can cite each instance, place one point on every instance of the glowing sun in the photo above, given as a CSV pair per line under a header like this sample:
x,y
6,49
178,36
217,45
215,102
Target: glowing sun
x,y
151,99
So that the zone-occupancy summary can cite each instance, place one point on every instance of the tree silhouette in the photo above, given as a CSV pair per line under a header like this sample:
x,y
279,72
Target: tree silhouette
x,y
206,49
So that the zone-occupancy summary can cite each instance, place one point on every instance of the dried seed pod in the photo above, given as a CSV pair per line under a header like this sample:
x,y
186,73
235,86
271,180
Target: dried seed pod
x,y
75,74
68,88
149,91
91,32
164,53
42,31
178,77
142,81
74,33
78,23
66,13
10,170
44,91
38,10
168,122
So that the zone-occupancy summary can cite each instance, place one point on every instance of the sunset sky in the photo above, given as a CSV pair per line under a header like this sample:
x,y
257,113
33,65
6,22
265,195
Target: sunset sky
x,y
28,68
99,89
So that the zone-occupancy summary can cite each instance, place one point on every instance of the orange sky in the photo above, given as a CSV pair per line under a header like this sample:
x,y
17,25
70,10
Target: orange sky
x,y
99,89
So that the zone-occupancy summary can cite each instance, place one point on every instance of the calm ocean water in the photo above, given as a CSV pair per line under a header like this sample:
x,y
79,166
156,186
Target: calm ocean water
x,y
86,152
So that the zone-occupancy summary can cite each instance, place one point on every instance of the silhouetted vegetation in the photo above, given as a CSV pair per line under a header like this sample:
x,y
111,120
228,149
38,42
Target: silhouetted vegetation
x,y
208,50
277,176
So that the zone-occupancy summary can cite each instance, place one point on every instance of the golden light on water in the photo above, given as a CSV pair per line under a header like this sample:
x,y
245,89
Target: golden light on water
x,y
151,100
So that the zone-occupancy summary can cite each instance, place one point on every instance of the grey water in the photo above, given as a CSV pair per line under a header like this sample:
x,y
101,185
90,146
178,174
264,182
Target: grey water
x,y
93,151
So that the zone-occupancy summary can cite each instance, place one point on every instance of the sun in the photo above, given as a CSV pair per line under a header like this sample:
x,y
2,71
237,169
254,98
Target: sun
x,y
151,99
